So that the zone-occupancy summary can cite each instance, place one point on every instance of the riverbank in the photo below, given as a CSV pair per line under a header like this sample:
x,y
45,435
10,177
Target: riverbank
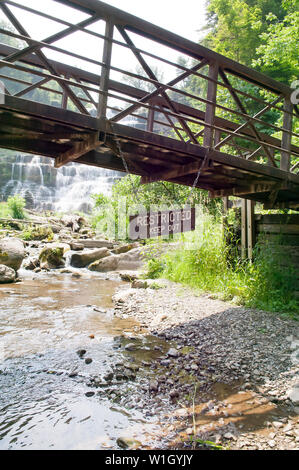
x,y
195,371
232,376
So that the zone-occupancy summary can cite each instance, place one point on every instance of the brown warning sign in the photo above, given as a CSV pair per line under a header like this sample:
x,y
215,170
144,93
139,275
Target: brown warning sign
x,y
161,224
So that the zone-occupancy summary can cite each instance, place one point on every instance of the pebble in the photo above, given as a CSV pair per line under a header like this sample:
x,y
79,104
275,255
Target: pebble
x,y
88,360
153,386
81,352
215,342
130,347
173,352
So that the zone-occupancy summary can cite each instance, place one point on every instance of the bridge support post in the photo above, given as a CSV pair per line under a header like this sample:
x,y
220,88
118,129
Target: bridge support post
x,y
243,229
208,138
150,120
247,229
286,136
250,228
105,72
64,98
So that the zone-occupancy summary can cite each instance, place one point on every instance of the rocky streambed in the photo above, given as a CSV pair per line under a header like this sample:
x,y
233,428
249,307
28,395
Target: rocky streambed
x,y
232,376
72,374
89,361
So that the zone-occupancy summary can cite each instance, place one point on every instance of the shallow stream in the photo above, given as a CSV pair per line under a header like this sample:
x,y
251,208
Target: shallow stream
x,y
44,322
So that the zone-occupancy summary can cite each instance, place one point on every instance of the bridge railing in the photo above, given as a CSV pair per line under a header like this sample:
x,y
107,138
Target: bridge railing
x,y
139,75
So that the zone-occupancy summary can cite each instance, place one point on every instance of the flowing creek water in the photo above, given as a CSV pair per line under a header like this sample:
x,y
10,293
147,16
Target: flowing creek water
x,y
60,341
44,321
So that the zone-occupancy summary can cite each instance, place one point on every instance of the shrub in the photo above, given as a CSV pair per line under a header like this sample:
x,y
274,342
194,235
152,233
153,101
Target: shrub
x,y
16,205
203,260
37,233
4,210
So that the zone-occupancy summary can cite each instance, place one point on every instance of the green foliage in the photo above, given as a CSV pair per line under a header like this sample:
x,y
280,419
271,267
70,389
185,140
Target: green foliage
x,y
278,53
16,205
203,261
271,285
33,232
4,210
235,26
133,197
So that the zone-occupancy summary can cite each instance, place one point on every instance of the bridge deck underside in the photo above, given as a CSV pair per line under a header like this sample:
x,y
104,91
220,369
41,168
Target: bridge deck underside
x,y
31,127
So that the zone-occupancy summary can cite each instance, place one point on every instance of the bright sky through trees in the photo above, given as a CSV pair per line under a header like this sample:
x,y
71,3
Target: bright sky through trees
x,y
184,19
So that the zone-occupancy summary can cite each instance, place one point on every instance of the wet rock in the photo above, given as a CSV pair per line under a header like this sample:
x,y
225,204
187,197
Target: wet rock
x,y
75,222
128,443
173,352
77,275
132,367
52,255
122,296
81,352
91,243
109,377
12,253
105,265
174,394
165,362
100,310
294,395
77,246
229,436
130,347
84,258
139,284
124,248
89,394
153,386
132,260
129,276
31,264
7,275
88,360
73,374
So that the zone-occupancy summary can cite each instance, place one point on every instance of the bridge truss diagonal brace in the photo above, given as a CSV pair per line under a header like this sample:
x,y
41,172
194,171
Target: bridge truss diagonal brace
x,y
152,75
248,119
37,50
79,149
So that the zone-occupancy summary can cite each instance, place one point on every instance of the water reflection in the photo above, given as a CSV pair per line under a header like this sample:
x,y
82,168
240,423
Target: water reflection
x,y
43,381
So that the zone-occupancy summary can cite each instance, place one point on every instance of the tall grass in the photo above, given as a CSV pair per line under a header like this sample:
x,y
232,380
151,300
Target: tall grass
x,y
202,259
16,205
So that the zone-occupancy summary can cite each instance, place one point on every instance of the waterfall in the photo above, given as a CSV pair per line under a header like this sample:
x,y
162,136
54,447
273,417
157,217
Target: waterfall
x,y
46,188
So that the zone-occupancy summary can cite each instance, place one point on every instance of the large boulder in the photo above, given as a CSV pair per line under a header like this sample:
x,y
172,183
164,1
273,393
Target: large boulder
x,y
12,252
92,243
7,275
76,246
124,248
105,265
31,263
52,255
133,259
75,222
80,260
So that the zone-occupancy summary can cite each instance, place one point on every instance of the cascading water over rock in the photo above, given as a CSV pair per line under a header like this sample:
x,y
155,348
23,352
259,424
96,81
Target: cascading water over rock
x,y
47,188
